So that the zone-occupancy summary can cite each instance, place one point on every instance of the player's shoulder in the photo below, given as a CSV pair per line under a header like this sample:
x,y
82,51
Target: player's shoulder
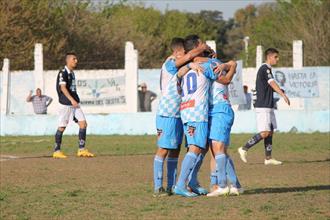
x,y
264,69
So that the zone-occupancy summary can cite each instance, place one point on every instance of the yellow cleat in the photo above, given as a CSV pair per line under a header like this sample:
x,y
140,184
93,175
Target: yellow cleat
x,y
59,155
84,153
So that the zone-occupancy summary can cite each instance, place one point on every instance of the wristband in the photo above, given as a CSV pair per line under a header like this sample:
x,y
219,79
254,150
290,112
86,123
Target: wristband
x,y
188,65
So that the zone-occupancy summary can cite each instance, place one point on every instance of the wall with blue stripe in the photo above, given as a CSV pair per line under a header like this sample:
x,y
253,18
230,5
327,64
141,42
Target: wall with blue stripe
x,y
144,123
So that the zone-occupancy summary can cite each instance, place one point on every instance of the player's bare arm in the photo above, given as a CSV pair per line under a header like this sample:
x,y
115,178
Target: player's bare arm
x,y
191,54
231,67
67,94
185,69
277,89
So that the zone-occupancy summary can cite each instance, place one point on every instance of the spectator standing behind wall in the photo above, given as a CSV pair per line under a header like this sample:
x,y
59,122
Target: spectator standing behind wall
x,y
145,98
248,98
40,102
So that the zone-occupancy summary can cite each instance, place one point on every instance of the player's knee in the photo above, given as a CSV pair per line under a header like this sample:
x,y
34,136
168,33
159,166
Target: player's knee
x,y
83,124
265,134
161,152
61,129
195,149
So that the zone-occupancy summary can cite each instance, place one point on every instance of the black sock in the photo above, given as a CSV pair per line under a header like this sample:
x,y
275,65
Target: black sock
x,y
268,146
253,141
58,140
82,138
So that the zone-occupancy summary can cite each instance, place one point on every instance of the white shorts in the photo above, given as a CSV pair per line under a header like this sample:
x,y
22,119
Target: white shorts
x,y
266,120
66,114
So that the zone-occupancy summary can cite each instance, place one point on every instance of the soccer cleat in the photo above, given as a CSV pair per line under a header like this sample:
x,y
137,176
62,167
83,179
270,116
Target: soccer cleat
x,y
242,154
160,192
272,162
183,192
198,190
235,191
59,155
219,192
84,153
169,191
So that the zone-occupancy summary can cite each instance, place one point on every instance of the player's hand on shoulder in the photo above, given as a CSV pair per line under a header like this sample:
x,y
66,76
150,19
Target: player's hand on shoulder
x,y
218,68
204,46
196,67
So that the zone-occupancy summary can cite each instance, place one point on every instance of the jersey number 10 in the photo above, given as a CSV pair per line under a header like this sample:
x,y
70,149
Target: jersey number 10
x,y
191,83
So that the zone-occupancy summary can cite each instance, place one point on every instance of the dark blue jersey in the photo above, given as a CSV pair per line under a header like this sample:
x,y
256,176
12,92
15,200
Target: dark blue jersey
x,y
66,78
264,90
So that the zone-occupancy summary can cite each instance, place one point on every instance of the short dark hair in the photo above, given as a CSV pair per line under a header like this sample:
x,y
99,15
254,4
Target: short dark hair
x,y
177,42
270,51
191,42
69,54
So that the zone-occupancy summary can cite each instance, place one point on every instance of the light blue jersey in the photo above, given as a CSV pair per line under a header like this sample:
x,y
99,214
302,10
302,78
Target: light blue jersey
x,y
195,94
219,94
169,104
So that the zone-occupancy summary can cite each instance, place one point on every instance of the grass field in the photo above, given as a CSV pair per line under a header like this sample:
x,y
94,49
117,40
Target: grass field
x,y
117,184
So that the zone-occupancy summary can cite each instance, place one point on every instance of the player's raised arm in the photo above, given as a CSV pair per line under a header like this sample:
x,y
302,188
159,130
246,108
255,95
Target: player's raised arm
x,y
277,89
231,67
191,54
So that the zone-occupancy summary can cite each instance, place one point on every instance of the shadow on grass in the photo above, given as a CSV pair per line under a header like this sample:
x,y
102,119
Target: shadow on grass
x,y
286,189
297,161
309,161
6,158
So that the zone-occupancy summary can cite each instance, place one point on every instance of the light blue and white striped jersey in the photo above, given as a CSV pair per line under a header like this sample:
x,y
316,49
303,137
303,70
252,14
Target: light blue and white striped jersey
x,y
169,104
219,94
195,94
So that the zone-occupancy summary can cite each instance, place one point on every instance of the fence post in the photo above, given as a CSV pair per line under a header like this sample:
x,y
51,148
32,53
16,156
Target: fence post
x,y
212,44
259,56
5,87
131,72
38,67
297,51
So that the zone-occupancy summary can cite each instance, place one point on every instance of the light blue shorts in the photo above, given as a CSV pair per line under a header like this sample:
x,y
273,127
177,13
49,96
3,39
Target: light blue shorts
x,y
169,132
220,124
196,133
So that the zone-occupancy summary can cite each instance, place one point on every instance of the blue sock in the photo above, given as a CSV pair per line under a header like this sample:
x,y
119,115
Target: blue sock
x,y
172,164
231,173
213,178
82,138
192,179
221,165
58,140
158,172
188,164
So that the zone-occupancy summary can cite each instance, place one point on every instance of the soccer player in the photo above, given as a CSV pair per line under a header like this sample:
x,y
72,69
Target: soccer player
x,y
221,119
168,121
70,108
266,121
194,115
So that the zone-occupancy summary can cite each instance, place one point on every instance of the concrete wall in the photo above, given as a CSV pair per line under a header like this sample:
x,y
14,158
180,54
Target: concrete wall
x,y
144,123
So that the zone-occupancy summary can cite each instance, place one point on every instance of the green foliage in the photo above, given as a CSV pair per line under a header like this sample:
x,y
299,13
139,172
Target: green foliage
x,y
277,25
97,33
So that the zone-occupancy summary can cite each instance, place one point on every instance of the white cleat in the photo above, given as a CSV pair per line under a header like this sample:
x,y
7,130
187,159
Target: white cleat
x,y
242,154
219,192
272,162
235,191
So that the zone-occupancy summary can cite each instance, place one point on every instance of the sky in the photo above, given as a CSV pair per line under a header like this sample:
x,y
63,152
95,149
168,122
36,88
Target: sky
x,y
228,7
